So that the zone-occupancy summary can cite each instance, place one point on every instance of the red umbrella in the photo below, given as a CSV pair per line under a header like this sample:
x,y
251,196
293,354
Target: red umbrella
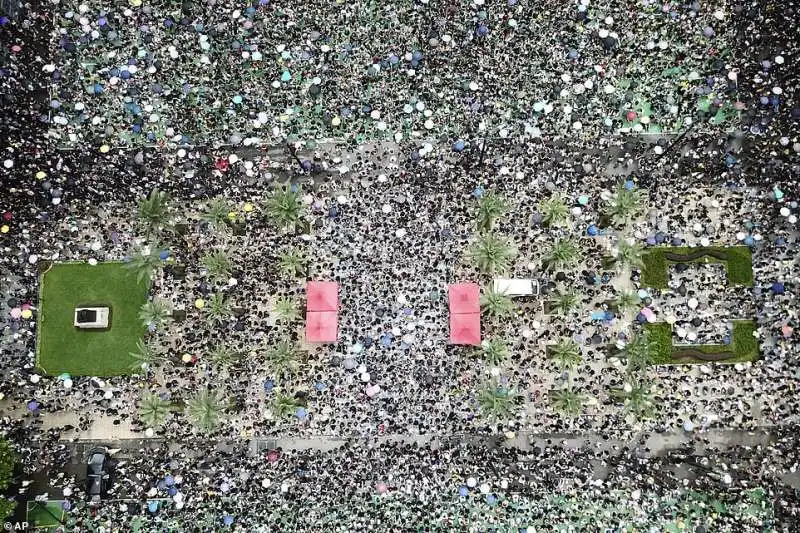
x,y
322,326
464,298
322,296
465,328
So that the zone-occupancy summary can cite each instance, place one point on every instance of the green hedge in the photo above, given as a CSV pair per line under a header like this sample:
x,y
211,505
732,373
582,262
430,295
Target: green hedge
x,y
738,266
743,344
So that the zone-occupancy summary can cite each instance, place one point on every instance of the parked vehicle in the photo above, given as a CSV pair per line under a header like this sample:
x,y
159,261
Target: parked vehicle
x,y
99,473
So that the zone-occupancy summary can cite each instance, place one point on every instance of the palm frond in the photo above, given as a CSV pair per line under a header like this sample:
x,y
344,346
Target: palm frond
x,y
144,261
217,264
223,355
284,405
216,213
639,352
494,351
205,410
565,302
490,208
496,304
562,254
283,206
153,411
554,211
154,211
625,203
566,354
218,307
286,310
497,402
627,301
292,263
629,254
637,397
145,356
283,358
491,254
155,312
567,401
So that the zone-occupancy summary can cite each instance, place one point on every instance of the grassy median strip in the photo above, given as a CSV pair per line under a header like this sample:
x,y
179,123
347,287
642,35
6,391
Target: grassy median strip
x,y
743,346
61,346
738,263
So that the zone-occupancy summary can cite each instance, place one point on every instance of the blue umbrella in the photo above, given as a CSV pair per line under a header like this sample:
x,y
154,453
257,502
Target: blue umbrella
x,y
320,386
463,491
491,500
749,241
152,507
459,146
172,491
164,255
592,230
269,385
629,184
478,192
169,480
227,520
301,413
778,288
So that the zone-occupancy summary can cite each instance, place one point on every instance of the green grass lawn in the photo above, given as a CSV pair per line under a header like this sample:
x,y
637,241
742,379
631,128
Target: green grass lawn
x,y
62,347
738,267
743,344
45,516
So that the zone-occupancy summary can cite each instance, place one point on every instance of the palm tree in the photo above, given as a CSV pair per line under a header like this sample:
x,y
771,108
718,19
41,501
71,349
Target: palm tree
x,y
292,263
284,405
205,410
496,304
637,397
155,312
567,401
283,358
554,211
283,206
223,355
562,254
491,253
217,264
565,302
146,356
629,254
639,352
625,204
627,301
144,261
566,354
286,310
496,402
154,211
218,308
494,351
490,208
153,411
216,214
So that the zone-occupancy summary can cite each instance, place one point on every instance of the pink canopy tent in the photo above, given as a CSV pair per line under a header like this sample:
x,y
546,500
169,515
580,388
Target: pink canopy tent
x,y
322,296
322,326
465,328
464,298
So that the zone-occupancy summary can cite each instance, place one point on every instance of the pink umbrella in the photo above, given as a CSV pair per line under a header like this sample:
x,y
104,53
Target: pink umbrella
x,y
372,390
381,488
648,314
272,456
787,331
16,312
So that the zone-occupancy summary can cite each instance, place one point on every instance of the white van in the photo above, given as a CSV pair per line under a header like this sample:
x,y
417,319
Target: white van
x,y
516,286
91,317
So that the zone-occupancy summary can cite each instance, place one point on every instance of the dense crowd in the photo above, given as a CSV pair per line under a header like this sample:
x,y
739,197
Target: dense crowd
x,y
392,120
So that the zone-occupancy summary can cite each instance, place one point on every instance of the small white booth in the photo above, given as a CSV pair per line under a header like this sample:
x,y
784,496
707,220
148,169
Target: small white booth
x,y
516,286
